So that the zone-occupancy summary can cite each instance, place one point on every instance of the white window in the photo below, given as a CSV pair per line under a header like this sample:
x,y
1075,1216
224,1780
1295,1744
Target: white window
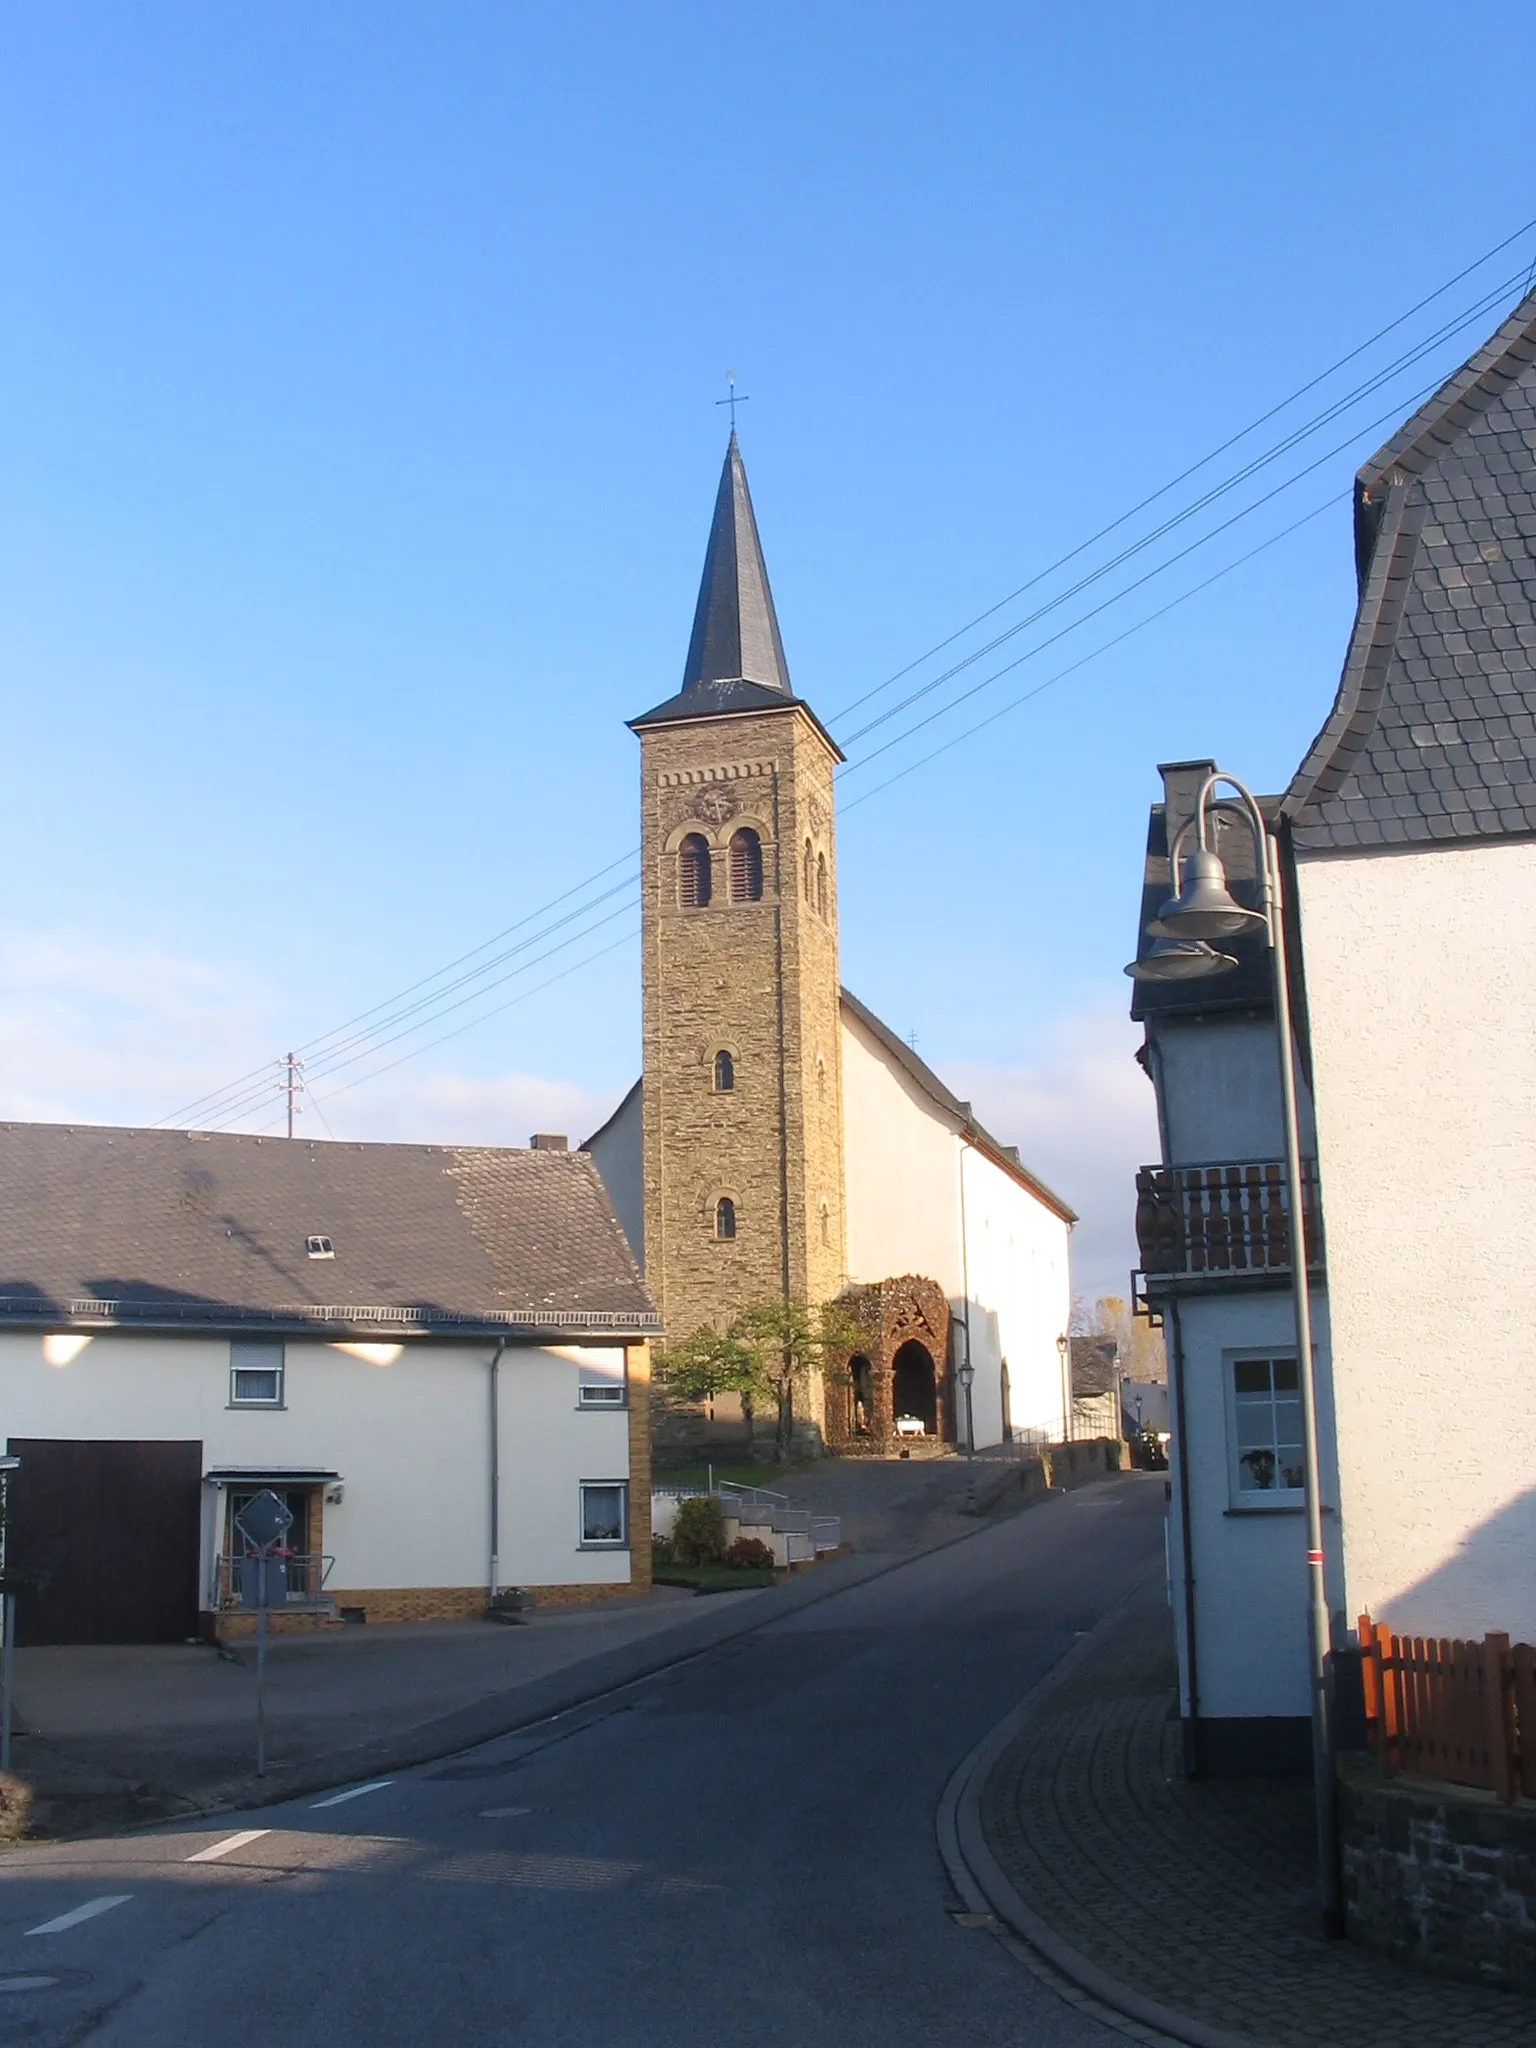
x,y
319,1248
255,1372
1266,1449
604,1513
605,1394
602,1384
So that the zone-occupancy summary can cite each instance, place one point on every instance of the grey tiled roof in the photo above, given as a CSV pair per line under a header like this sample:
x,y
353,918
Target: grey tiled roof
x,y
1432,737
735,656
186,1230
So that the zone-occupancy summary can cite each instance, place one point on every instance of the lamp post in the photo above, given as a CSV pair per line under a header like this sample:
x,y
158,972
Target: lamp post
x,y
1199,910
1064,1352
966,1376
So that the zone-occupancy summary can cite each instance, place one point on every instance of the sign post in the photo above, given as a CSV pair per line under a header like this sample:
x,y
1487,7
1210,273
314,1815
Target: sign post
x,y
263,1521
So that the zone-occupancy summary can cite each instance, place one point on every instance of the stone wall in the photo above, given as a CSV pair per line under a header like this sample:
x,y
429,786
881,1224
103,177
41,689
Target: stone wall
x,y
1438,1876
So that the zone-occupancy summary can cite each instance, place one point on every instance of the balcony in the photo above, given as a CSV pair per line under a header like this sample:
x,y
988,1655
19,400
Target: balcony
x,y
1223,1223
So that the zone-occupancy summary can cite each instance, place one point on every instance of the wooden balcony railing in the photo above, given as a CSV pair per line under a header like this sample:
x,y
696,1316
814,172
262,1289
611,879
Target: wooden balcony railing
x,y
1234,1218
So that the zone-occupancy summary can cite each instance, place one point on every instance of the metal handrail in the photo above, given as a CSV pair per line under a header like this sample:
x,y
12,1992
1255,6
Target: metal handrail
x,y
305,1574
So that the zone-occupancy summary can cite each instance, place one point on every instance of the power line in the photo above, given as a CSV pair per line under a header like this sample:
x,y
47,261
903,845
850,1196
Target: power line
x,y
190,1109
1151,618
1072,625
395,1018
1198,505
1184,475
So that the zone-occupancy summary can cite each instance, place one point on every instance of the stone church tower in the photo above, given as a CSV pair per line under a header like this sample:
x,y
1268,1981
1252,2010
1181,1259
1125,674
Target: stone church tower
x,y
742,1095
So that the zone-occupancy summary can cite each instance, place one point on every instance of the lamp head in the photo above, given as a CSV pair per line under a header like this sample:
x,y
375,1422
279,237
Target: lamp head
x,y
1180,960
1204,907
966,1375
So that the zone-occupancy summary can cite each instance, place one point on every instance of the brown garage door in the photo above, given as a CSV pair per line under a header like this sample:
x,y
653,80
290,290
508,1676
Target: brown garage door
x,y
115,1527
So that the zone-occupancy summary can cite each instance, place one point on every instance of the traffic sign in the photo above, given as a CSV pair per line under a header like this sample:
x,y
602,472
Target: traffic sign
x,y
264,1519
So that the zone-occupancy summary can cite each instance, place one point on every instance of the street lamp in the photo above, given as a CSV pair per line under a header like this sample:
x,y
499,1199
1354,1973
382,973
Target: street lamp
x,y
1200,910
1063,1350
966,1376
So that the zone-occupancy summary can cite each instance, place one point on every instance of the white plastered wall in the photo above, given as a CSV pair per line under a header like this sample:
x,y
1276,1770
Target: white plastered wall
x,y
902,1178
1250,1563
1421,992
410,1436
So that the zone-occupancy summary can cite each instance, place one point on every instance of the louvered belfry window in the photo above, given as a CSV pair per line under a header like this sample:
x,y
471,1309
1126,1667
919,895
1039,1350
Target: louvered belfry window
x,y
746,866
693,872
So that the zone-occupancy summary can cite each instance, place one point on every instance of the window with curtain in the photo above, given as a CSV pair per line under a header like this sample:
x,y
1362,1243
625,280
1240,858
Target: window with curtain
x,y
746,866
693,878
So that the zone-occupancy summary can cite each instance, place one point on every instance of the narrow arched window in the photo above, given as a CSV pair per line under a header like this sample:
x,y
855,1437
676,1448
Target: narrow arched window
x,y
821,884
810,874
725,1218
746,866
725,1073
826,1224
693,872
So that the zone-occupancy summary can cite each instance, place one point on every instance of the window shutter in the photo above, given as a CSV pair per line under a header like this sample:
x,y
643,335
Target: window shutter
x,y
746,866
693,872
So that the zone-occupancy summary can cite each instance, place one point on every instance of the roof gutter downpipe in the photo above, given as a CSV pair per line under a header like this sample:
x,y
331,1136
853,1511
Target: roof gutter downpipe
x,y
495,1562
1194,1760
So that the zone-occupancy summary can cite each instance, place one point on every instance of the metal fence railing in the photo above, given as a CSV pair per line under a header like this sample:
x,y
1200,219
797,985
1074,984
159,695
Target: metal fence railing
x,y
294,1578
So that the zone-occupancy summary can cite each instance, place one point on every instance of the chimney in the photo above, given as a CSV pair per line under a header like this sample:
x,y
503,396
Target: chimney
x,y
550,1141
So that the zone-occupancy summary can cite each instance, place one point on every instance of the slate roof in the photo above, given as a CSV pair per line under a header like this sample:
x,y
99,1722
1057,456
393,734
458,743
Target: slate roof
x,y
1249,985
1006,1156
735,655
1432,737
180,1229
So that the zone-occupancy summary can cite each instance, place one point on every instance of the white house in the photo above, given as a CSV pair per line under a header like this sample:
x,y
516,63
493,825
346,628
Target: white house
x,y
438,1357
928,1191
1409,838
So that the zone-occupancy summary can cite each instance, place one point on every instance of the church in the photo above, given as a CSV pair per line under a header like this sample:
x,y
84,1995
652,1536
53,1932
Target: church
x,y
783,1142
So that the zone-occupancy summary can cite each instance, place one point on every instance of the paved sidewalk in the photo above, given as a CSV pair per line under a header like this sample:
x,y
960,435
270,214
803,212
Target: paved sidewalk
x,y
1199,1899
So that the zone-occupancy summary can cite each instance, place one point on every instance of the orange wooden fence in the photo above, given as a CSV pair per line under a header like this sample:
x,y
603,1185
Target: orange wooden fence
x,y
1464,1713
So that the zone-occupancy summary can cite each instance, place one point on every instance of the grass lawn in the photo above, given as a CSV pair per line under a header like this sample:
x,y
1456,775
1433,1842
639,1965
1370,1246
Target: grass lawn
x,y
714,1578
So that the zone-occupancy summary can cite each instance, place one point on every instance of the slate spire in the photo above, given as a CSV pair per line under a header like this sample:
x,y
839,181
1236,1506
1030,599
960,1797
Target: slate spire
x,y
735,630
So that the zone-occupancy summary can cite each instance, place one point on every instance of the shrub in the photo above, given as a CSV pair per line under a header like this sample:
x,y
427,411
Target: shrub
x,y
699,1536
662,1551
749,1554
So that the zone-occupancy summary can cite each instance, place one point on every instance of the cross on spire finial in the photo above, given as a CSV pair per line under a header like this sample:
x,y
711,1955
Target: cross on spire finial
x,y
733,398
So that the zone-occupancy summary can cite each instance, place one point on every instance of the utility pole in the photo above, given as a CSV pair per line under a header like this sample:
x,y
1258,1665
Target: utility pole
x,y
292,1084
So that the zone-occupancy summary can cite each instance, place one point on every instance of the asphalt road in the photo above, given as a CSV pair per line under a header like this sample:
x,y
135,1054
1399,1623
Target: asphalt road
x,y
739,1851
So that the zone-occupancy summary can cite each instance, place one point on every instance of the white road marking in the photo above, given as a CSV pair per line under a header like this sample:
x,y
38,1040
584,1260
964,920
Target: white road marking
x,y
229,1844
357,1791
86,1912
504,1812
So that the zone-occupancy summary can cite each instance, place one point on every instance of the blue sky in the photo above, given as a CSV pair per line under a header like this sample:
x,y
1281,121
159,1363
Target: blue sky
x,y
357,384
